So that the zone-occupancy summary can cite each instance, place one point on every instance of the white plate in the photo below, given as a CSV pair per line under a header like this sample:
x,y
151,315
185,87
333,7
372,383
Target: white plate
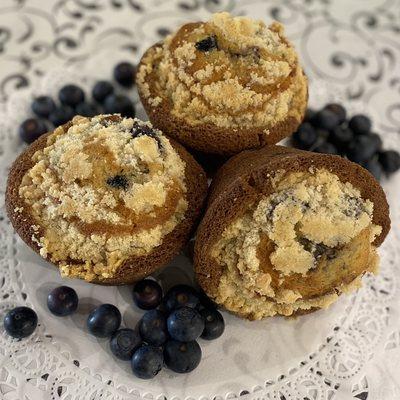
x,y
339,352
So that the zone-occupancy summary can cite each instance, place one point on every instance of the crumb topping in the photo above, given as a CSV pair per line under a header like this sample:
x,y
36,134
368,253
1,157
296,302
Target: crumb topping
x,y
104,191
298,247
229,71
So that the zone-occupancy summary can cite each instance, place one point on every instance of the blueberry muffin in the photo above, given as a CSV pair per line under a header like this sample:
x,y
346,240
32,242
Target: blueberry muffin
x,y
287,231
106,199
225,85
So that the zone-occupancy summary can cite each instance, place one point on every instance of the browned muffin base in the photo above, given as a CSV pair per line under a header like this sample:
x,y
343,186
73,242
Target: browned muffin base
x,y
135,268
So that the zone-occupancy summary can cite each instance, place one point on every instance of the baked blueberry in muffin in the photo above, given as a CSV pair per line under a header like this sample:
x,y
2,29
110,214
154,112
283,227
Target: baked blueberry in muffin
x,y
225,85
287,231
106,199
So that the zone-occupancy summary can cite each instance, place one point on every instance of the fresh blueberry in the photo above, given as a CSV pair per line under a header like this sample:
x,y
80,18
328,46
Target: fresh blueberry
x,y
309,115
71,95
119,104
87,109
322,134
104,320
181,296
305,137
325,119
207,44
360,124
390,161
61,115
62,301
362,148
31,129
326,148
206,302
374,167
147,294
147,361
118,182
214,324
20,322
182,357
124,74
376,139
43,106
124,342
101,90
153,328
185,324
338,110
341,136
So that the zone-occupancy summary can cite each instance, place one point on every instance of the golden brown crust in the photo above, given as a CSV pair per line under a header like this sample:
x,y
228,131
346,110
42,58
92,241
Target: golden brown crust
x,y
245,178
210,138
136,267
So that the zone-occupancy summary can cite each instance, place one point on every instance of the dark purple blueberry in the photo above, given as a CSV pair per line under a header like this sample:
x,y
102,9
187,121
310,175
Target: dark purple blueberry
x,y
214,324
182,357
71,95
390,161
87,109
118,182
142,129
362,148
322,134
376,139
104,320
326,148
341,136
206,302
153,328
43,106
185,324
119,104
147,294
124,74
139,129
62,301
360,124
101,90
309,115
325,119
207,44
338,110
31,129
124,342
305,137
20,322
181,296
374,167
147,361
61,115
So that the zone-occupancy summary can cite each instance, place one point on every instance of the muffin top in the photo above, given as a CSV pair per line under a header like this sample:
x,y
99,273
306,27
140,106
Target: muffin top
x,y
102,191
230,71
298,247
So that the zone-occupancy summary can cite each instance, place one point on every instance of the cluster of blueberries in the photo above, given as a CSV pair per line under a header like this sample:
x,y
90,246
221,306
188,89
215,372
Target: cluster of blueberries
x,y
330,131
72,101
165,335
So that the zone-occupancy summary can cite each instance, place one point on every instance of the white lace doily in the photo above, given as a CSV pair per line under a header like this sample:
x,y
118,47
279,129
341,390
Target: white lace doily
x,y
350,351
